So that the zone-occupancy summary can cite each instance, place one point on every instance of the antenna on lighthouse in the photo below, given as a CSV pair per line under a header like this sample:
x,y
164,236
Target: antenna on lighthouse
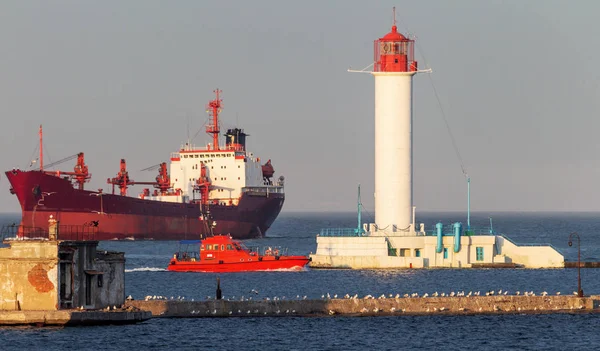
x,y
394,14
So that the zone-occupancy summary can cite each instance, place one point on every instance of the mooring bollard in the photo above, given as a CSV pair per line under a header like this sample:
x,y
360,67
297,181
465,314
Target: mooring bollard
x,y
219,293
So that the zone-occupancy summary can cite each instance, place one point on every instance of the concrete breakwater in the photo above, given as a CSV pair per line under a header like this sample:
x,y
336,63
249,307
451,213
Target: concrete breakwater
x,y
73,317
370,306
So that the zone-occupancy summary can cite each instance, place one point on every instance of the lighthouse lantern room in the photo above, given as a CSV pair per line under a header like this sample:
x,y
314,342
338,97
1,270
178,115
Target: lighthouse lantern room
x,y
394,52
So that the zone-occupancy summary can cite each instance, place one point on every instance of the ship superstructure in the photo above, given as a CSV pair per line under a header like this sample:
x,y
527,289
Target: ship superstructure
x,y
225,183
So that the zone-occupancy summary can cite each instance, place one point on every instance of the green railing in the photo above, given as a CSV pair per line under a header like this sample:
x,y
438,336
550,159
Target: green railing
x,y
448,230
340,232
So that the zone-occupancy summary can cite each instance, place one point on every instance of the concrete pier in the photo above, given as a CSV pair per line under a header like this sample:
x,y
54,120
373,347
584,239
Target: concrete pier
x,y
73,317
370,306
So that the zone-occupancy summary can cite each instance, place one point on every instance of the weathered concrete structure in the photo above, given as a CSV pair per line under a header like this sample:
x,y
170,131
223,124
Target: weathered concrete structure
x,y
371,306
46,281
51,275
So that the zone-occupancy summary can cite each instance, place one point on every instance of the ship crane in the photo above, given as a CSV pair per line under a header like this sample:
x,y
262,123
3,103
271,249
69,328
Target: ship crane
x,y
80,171
203,184
122,180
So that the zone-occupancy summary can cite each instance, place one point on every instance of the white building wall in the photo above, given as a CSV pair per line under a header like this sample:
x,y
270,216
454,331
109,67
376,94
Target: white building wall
x,y
372,252
393,149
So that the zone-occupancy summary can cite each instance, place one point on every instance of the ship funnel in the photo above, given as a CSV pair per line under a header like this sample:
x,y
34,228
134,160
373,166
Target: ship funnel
x,y
235,139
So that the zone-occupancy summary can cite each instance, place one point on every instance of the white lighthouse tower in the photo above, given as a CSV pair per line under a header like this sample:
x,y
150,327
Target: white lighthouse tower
x,y
393,68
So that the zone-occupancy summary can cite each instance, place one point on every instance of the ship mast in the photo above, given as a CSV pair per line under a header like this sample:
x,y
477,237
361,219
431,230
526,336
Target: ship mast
x,y
214,108
41,151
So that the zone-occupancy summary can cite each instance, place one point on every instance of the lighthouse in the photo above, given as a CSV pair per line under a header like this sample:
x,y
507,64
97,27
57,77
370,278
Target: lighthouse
x,y
394,241
393,68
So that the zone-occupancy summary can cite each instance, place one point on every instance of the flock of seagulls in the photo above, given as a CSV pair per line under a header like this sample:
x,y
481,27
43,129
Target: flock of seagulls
x,y
366,309
328,296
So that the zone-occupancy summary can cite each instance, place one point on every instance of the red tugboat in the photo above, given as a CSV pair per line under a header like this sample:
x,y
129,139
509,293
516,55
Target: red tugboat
x,y
221,253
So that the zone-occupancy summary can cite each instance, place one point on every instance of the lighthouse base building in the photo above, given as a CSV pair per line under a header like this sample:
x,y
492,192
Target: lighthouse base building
x,y
394,240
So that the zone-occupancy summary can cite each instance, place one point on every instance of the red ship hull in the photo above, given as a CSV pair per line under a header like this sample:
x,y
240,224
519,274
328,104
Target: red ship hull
x,y
123,217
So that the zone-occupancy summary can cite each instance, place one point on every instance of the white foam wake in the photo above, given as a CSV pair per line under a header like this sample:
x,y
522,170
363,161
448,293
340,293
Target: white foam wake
x,y
145,269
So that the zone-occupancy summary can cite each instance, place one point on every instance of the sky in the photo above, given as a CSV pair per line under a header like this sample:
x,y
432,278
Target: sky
x,y
517,81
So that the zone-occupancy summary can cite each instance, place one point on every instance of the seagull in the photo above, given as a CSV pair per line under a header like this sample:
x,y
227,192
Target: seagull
x,y
254,291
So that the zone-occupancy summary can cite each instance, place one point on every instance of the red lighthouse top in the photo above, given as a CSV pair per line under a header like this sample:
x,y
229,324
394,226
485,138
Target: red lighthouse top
x,y
394,52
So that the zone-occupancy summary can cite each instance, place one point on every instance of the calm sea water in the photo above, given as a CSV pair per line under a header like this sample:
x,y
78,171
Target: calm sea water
x,y
145,275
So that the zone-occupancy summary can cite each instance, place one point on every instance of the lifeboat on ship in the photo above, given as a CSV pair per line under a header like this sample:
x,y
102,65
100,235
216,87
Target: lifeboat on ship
x,y
221,253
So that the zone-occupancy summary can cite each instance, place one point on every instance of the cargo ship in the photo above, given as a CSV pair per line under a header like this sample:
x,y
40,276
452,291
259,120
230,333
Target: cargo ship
x,y
224,188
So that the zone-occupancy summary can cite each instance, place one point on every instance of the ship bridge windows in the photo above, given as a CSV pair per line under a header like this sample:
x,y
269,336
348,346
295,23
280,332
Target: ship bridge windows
x,y
229,247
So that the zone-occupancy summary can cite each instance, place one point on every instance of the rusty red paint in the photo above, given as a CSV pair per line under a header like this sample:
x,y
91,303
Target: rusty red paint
x,y
38,278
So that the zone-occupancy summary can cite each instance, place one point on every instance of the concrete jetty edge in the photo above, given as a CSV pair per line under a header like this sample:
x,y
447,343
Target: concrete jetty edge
x,y
371,306
72,317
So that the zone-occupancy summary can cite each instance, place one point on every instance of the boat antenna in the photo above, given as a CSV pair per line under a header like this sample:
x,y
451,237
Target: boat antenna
x,y
41,150
213,108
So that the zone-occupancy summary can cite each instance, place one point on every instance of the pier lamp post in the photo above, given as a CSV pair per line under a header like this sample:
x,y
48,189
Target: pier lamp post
x,y
579,291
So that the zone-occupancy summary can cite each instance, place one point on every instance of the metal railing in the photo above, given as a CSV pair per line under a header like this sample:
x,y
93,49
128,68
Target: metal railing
x,y
263,189
339,232
20,232
448,230
64,232
530,244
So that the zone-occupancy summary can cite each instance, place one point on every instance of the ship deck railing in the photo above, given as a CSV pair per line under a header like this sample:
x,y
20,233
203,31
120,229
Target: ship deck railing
x,y
263,190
